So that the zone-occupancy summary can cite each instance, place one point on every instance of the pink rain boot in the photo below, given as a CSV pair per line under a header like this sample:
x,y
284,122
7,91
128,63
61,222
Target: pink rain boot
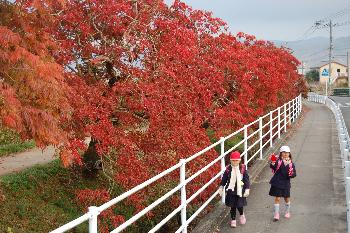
x,y
242,219
276,217
287,215
233,223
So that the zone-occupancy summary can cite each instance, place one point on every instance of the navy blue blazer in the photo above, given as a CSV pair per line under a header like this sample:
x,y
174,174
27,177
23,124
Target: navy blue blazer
x,y
225,180
281,177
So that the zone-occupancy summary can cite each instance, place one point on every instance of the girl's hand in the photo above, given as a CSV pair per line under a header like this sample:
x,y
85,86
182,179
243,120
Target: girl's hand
x,y
273,158
287,161
246,193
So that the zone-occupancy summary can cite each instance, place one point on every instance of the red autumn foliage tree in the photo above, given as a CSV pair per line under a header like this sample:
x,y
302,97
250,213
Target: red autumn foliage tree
x,y
33,92
142,79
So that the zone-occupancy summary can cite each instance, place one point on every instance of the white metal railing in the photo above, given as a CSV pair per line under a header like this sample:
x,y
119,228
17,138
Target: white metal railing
x,y
344,142
256,137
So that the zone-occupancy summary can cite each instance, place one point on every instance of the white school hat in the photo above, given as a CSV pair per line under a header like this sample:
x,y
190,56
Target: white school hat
x,y
285,149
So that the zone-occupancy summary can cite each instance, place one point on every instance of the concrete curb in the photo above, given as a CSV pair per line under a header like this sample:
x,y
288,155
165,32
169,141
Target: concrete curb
x,y
211,222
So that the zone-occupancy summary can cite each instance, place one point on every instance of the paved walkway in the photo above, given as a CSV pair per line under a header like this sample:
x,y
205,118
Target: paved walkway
x,y
20,161
317,194
27,159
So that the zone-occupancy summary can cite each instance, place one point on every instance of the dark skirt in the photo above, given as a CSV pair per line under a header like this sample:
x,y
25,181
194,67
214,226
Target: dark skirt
x,y
278,192
232,200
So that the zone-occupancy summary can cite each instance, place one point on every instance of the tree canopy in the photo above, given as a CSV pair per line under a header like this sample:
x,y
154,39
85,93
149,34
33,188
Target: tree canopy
x,y
142,79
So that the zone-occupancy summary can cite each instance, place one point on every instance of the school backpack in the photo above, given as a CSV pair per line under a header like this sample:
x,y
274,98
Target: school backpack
x,y
279,163
242,169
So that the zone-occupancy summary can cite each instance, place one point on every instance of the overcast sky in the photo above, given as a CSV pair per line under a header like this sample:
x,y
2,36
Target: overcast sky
x,y
277,19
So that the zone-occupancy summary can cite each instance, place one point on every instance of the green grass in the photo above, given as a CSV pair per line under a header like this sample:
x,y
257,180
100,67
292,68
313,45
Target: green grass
x,y
11,142
13,148
229,143
41,199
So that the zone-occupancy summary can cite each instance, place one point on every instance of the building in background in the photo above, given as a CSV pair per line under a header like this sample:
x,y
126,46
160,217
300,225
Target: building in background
x,y
338,71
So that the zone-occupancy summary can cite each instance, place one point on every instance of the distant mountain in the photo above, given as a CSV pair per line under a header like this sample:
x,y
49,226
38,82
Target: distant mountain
x,y
315,51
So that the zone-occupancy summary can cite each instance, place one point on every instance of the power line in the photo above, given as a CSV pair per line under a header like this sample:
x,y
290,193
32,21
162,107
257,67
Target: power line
x,y
341,48
307,33
315,53
338,14
342,24
320,24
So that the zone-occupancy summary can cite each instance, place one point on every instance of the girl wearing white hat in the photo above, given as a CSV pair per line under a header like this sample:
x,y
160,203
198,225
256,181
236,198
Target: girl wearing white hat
x,y
283,169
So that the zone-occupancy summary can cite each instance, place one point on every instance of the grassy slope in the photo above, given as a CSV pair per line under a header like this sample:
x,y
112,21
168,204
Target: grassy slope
x,y
13,148
11,142
40,199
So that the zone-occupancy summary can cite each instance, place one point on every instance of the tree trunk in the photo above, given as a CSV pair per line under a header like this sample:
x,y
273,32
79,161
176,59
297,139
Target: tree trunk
x,y
92,161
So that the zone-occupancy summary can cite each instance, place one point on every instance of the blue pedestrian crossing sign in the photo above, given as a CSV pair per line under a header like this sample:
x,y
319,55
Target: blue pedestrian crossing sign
x,y
325,72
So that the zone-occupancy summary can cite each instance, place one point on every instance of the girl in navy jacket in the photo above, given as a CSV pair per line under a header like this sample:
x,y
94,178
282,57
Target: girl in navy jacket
x,y
283,169
235,181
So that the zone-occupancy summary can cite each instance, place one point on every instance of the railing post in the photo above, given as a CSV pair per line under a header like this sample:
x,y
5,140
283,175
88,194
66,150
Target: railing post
x,y
246,145
347,193
223,166
297,107
301,103
93,211
271,131
347,169
343,150
183,195
285,117
346,155
342,140
289,113
295,115
279,122
261,136
292,110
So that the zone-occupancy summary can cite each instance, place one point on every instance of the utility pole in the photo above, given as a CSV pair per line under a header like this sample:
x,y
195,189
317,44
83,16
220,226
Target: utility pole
x,y
348,68
330,57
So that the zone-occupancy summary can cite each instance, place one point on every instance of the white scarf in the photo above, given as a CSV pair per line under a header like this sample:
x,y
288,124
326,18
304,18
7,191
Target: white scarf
x,y
236,176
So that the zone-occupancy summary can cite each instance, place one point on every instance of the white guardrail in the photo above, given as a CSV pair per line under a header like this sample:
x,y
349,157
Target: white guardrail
x,y
257,136
344,142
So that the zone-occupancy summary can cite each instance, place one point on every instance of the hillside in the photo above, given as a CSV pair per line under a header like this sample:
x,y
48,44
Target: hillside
x,y
314,51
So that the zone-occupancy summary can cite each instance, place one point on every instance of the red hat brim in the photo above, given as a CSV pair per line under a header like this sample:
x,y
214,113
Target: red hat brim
x,y
235,156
